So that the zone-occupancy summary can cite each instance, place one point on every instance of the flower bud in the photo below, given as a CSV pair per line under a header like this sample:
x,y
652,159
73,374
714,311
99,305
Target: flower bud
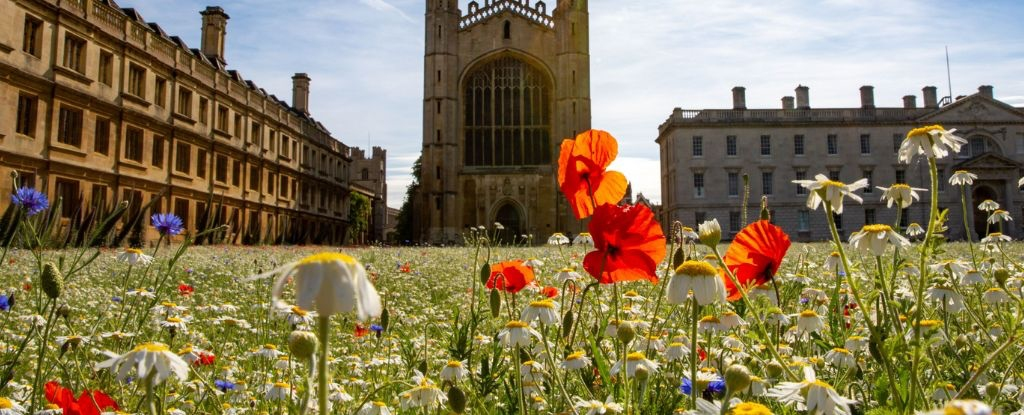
x,y
303,344
625,332
962,341
52,280
737,378
710,233
385,318
642,374
457,399
678,257
992,390
63,311
773,369
495,303
485,273
1001,275
567,321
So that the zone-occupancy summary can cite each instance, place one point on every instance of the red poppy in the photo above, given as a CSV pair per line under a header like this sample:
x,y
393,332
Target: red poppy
x,y
754,256
185,289
629,243
510,276
550,292
405,268
84,405
206,359
361,331
582,175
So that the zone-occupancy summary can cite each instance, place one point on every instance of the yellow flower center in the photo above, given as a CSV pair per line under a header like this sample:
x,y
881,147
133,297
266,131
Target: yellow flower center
x,y
173,320
831,183
152,347
299,311
548,304
808,313
52,406
185,350
675,344
631,293
325,257
899,186
841,350
834,254
930,323
953,410
379,404
575,355
696,269
877,228
168,304
958,172
454,363
584,234
282,385
516,325
924,130
750,408
6,403
821,384
635,356
710,319
269,346
133,251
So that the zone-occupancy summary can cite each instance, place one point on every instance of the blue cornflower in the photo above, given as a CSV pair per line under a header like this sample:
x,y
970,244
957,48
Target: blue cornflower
x,y
116,299
32,200
224,385
714,386
5,303
168,224
376,328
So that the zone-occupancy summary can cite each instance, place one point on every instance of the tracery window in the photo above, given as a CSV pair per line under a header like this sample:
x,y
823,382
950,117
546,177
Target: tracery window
x,y
507,118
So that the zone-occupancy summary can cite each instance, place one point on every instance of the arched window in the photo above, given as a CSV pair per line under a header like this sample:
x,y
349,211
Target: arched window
x,y
507,118
508,29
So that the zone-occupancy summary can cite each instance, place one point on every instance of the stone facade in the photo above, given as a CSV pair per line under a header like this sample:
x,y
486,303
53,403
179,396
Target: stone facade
x,y
369,176
504,83
98,104
706,153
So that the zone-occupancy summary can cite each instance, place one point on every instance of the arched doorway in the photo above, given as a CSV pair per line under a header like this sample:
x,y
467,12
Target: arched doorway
x,y
510,218
982,193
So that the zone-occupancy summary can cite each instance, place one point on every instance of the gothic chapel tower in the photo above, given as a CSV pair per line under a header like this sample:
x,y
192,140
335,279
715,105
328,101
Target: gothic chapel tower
x,y
503,84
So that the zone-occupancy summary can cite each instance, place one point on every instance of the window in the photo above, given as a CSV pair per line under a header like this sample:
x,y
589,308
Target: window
x,y
801,175
26,179
364,174
901,176
730,145
508,30
284,186
204,109
74,53
185,102
238,125
99,195
101,139
734,183
698,185
236,173
158,152
766,145
273,140
833,175
32,43
798,144
897,141
105,74
27,106
183,157
201,164
838,218
869,216
284,145
803,220
254,178
868,175
68,191
699,217
833,144
256,135
160,92
766,183
734,221
137,80
69,127
133,144
698,146
271,180
181,209
222,118
865,144
904,218
221,169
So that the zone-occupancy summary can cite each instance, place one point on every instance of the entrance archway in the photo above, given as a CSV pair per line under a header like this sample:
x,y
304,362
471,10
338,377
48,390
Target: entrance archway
x,y
982,193
509,216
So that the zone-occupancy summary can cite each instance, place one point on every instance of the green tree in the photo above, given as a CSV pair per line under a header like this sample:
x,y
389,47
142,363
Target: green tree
x,y
404,228
359,215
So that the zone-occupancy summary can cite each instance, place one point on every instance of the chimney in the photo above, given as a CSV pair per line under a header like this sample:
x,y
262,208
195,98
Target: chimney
x,y
787,103
802,99
930,98
300,92
985,91
215,26
867,97
739,98
909,101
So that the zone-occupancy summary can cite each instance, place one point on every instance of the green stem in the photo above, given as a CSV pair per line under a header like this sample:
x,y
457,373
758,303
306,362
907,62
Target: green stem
x,y
967,227
919,294
323,325
693,352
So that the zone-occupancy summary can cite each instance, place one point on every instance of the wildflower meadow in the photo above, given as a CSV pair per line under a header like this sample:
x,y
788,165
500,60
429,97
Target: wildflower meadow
x,y
633,317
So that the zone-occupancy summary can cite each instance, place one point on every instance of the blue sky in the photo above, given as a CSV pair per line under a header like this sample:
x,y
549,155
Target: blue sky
x,y
365,58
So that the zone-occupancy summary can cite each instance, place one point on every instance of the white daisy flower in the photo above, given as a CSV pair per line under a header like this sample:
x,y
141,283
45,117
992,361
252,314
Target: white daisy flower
x,y
988,205
329,283
944,392
811,395
531,371
575,361
546,311
454,371
873,239
697,277
558,238
134,256
995,295
963,407
822,189
933,141
949,299
279,391
995,237
567,274
962,178
915,229
424,394
517,334
841,357
999,215
731,320
9,407
374,408
595,407
901,194
808,321
584,239
151,360
632,362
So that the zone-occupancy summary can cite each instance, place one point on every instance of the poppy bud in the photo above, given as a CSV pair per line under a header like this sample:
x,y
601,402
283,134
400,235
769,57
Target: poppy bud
x,y
422,367
773,369
765,213
63,311
385,319
678,258
567,321
457,399
625,332
52,280
485,368
737,378
485,273
303,344
495,303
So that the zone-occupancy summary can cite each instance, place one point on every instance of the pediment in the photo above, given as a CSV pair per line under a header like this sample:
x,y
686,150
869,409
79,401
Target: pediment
x,y
536,13
988,161
972,109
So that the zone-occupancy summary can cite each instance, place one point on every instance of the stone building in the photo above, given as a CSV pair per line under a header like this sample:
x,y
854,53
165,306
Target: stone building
x,y
706,153
369,176
98,104
504,83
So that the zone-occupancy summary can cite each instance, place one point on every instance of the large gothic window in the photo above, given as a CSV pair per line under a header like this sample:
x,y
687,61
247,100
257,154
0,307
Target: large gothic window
x,y
507,115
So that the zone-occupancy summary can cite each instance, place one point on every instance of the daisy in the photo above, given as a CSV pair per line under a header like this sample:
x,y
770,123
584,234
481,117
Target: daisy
x,y
996,237
963,407
296,316
151,360
134,256
832,262
268,351
999,215
706,379
567,274
688,234
517,334
855,343
901,194
811,395
9,407
951,301
731,320
424,394
808,321
930,329
374,408
972,277
533,263
116,335
962,178
824,190
944,392
988,205
175,324
710,323
329,283
584,239
841,357
531,371
595,407
575,361
50,409
995,296
933,141
140,292
279,391
872,239
454,371
914,229
558,238
167,308
697,277
632,362
546,311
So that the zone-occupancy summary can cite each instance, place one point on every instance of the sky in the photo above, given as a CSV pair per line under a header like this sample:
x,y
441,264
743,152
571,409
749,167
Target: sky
x,y
365,58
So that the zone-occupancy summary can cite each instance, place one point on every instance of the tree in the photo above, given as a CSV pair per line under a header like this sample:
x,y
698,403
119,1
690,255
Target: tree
x,y
359,215
404,228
